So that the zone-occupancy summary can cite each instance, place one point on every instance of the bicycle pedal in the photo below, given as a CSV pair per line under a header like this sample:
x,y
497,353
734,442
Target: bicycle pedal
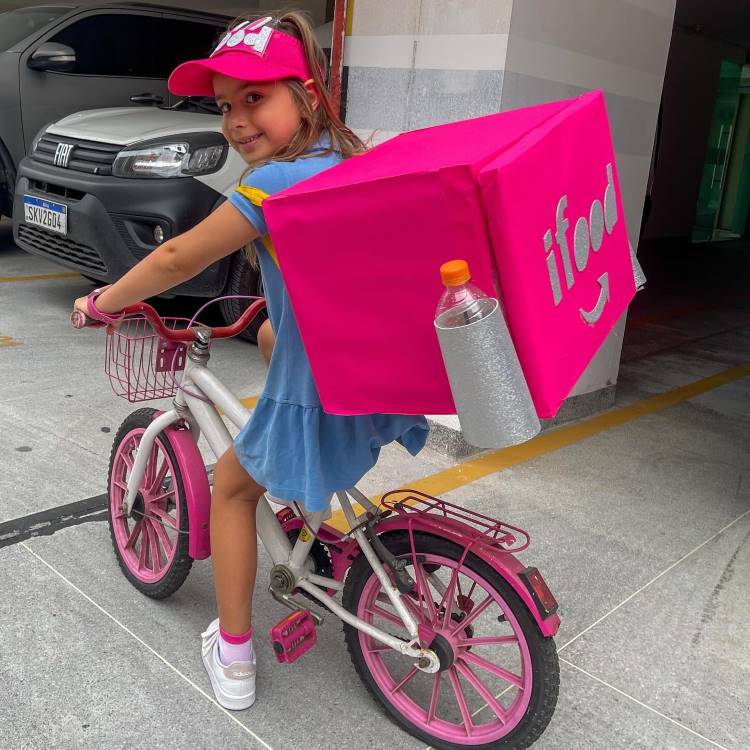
x,y
293,636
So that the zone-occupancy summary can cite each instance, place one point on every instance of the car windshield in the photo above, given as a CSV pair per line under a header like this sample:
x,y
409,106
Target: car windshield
x,y
16,25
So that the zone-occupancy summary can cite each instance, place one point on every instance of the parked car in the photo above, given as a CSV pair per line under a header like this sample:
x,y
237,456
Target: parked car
x,y
102,188
56,60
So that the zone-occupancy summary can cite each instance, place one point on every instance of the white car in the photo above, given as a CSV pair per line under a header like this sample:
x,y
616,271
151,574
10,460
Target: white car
x,y
101,189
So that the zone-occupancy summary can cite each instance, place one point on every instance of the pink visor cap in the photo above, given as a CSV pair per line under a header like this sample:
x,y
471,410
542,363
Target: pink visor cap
x,y
251,51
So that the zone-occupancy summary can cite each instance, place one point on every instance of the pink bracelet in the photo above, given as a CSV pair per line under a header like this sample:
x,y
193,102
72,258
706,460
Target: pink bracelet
x,y
98,314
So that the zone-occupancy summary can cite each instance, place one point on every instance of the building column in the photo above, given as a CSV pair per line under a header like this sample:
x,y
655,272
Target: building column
x,y
415,63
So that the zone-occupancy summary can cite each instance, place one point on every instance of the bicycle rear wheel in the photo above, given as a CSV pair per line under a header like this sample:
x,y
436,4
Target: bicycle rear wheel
x,y
499,677
150,543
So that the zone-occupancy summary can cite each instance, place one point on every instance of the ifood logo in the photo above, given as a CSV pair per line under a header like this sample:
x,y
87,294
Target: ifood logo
x,y
588,235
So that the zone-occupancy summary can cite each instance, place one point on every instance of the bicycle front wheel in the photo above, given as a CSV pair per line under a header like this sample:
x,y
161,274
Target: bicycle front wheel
x,y
499,677
151,542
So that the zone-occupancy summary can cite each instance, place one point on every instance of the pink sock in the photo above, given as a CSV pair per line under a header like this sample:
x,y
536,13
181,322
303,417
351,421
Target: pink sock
x,y
234,648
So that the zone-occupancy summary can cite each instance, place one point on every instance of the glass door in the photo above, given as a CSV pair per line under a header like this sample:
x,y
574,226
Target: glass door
x,y
717,153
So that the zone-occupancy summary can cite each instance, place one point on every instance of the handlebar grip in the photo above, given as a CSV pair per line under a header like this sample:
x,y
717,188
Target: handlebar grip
x,y
81,320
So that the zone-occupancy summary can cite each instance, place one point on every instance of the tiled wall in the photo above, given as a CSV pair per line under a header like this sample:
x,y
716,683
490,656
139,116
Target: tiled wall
x,y
414,63
560,48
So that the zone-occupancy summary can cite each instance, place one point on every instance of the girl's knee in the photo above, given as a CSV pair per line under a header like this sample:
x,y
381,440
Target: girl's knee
x,y
232,480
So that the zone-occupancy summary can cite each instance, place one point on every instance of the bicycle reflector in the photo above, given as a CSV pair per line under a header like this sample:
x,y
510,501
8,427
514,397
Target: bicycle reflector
x,y
540,593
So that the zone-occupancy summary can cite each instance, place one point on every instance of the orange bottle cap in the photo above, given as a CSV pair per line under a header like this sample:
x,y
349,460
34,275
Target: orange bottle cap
x,y
455,272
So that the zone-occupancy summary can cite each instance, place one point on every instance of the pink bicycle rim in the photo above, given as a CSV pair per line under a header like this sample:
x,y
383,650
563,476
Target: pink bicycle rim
x,y
470,665
147,545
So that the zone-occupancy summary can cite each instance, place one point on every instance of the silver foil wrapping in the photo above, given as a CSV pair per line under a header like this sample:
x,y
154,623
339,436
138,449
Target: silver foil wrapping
x,y
638,276
492,399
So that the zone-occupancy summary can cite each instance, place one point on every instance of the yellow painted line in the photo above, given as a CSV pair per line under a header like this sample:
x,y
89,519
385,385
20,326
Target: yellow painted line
x,y
38,277
8,341
349,17
249,402
494,461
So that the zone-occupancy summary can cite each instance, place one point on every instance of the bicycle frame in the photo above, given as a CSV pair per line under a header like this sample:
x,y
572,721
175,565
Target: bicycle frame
x,y
201,391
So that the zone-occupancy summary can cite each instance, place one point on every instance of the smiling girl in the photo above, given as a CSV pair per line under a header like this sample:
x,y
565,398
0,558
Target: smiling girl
x,y
267,77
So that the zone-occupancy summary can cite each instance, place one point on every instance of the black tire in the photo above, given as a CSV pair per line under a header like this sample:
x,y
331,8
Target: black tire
x,y
7,182
544,660
178,571
242,279
6,193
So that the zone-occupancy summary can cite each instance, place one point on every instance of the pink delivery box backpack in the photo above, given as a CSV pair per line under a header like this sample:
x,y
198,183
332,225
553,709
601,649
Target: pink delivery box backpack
x,y
530,198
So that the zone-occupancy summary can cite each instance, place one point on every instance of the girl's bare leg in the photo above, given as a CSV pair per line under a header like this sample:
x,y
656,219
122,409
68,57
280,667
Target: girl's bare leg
x,y
266,340
234,547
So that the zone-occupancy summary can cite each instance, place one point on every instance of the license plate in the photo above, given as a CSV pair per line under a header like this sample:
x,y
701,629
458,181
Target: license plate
x,y
46,214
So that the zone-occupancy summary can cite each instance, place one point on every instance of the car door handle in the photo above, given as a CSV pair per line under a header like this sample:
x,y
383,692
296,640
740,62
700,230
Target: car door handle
x,y
147,98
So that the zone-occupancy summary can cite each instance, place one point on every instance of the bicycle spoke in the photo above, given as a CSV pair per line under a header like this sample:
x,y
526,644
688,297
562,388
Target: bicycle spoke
x,y
137,528
143,555
499,695
503,674
413,608
164,517
434,697
489,699
461,700
163,496
128,459
120,484
378,649
153,460
449,596
408,678
163,538
489,640
376,611
153,548
473,614
425,592
160,476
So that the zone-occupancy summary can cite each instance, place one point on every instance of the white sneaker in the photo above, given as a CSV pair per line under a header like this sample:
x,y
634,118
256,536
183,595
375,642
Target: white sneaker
x,y
234,686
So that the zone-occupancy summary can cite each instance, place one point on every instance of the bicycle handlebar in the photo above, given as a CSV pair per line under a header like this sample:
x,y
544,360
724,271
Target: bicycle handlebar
x,y
80,320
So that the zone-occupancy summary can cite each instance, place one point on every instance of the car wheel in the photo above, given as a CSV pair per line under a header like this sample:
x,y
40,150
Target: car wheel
x,y
6,191
243,279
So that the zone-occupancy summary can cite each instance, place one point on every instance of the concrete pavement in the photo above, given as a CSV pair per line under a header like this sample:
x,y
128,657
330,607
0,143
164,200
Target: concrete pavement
x,y
640,527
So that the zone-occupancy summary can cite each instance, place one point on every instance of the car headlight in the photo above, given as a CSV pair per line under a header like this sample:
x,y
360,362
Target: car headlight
x,y
186,155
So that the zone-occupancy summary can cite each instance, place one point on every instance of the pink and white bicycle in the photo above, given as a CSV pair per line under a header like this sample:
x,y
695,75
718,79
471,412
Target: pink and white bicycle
x,y
449,632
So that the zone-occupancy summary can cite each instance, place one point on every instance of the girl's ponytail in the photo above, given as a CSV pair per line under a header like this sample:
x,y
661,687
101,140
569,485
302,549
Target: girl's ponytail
x,y
325,118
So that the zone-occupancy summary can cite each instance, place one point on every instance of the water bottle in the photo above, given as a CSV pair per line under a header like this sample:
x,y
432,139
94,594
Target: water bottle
x,y
492,398
462,302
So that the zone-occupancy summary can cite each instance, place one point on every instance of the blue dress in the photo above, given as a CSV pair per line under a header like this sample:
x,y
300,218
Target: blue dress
x,y
290,445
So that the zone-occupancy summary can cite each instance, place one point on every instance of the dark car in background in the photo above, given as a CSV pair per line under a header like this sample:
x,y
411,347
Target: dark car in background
x,y
60,59
102,187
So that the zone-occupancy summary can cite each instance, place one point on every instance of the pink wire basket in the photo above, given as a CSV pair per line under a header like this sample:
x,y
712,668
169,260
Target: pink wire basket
x,y
139,364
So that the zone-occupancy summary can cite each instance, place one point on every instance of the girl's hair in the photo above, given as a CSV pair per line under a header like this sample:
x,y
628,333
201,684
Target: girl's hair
x,y
314,121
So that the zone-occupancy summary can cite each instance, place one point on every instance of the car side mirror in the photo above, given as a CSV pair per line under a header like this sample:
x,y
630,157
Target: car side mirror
x,y
53,56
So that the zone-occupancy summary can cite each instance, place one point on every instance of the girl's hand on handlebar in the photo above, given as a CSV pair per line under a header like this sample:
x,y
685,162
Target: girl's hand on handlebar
x,y
79,318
